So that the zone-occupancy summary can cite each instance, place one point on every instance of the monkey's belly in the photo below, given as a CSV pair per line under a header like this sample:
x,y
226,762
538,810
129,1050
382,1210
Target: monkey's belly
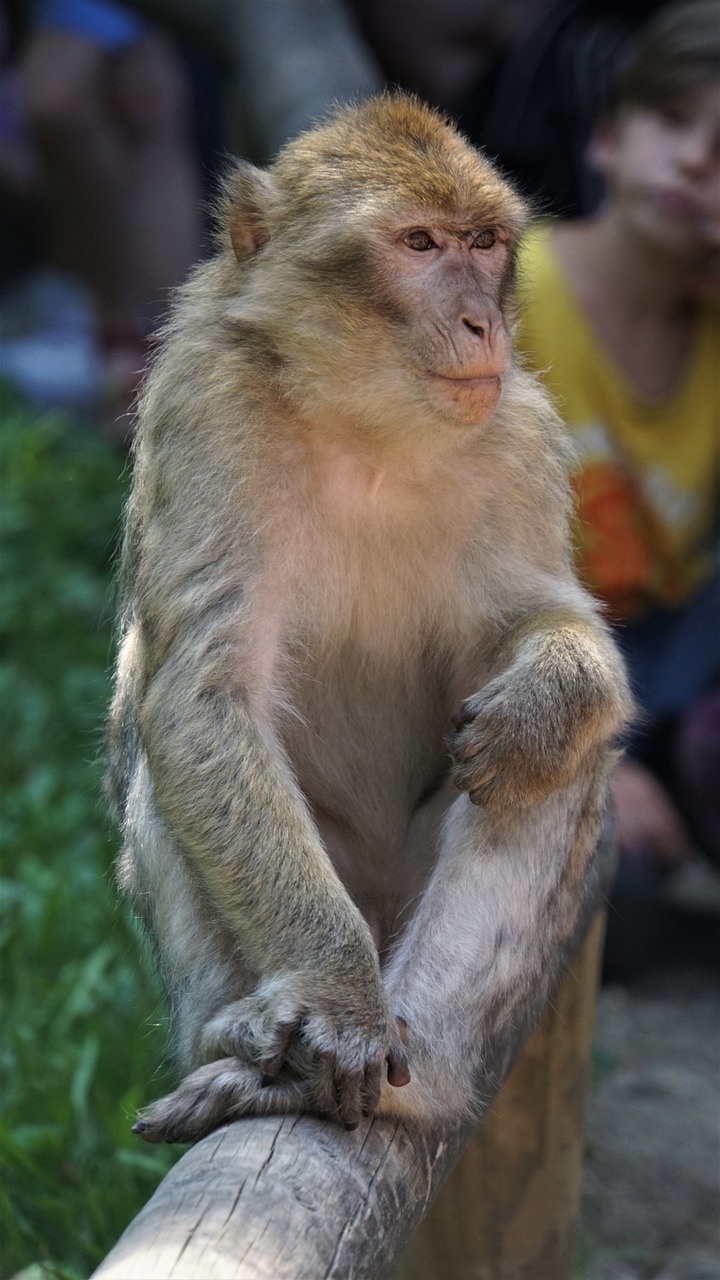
x,y
367,746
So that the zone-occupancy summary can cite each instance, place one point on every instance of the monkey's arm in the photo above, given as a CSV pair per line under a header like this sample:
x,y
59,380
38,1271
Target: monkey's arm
x,y
523,852
558,695
224,791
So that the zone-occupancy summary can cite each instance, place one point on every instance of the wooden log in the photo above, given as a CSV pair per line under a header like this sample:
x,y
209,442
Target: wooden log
x,y
290,1198
296,1198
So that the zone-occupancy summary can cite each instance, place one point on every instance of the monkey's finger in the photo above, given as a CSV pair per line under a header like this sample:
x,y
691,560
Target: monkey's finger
x,y
313,1057
149,1131
348,1087
472,745
322,1082
370,1092
466,713
474,776
271,1062
467,751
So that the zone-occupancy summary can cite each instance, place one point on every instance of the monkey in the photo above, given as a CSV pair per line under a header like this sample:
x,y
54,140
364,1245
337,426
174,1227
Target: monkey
x,y
364,711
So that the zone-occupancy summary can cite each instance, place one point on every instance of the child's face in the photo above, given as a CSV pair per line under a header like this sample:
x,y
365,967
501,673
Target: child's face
x,y
663,173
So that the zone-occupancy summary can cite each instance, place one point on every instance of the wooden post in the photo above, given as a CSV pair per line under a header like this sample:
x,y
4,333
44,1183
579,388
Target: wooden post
x,y
508,1209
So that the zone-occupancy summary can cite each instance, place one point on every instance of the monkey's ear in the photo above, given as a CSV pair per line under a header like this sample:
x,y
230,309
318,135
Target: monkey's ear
x,y
248,196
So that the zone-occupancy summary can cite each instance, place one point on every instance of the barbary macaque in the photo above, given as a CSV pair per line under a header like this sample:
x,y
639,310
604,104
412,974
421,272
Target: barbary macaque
x,y
364,712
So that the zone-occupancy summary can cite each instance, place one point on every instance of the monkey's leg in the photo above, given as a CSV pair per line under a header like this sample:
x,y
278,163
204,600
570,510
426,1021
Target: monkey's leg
x,y
489,940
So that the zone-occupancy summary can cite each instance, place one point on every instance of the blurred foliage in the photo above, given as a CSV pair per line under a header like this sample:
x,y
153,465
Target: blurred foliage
x,y
78,1001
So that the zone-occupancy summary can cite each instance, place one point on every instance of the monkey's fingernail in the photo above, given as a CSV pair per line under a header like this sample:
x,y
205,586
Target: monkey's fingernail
x,y
347,1125
402,1029
145,1130
398,1073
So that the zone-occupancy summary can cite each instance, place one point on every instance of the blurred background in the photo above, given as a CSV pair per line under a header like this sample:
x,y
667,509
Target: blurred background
x,y
116,124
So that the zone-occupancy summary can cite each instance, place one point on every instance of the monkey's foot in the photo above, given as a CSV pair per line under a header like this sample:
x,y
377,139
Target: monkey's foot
x,y
216,1093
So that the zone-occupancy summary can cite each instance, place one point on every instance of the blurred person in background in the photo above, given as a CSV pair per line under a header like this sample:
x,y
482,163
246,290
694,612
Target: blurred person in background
x,y
525,79
621,314
108,106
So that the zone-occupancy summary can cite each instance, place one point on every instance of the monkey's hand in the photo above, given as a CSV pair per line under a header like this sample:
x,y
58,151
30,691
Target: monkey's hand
x,y
491,753
333,1036
529,730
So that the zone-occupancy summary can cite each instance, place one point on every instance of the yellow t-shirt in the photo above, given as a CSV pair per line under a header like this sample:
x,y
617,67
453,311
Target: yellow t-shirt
x,y
647,476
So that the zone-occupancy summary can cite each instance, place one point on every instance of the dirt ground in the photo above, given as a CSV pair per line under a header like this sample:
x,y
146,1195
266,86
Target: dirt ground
x,y
651,1203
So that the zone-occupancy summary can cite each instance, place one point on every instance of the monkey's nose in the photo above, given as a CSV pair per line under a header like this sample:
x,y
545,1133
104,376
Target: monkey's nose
x,y
476,327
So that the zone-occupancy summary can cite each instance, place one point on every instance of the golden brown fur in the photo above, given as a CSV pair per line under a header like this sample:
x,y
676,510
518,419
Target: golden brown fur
x,y
348,526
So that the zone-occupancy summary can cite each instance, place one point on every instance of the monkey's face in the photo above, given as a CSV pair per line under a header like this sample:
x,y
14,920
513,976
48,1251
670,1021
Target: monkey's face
x,y
402,316
446,283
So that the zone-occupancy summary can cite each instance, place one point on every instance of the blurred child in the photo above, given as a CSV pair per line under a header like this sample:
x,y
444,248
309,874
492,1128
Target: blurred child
x,y
621,314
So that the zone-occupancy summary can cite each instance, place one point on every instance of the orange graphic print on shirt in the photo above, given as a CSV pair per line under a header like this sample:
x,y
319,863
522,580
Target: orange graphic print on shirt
x,y
624,557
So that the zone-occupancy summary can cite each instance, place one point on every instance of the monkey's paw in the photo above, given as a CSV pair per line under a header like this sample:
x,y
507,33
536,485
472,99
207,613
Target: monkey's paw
x,y
333,1047
216,1093
505,755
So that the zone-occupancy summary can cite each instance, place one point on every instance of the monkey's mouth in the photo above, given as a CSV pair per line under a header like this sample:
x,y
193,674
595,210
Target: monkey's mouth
x,y
459,380
471,399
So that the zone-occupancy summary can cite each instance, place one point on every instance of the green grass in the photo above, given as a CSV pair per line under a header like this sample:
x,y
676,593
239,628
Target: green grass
x,y
80,1007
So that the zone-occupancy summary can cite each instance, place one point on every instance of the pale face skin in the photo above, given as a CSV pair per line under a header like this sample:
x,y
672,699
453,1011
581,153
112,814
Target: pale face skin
x,y
663,169
450,279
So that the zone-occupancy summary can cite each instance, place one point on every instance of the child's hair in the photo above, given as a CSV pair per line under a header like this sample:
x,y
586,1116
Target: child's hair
x,y
675,53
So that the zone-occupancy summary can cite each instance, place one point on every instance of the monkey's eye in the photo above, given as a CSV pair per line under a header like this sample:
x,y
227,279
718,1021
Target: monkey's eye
x,y
484,239
421,241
